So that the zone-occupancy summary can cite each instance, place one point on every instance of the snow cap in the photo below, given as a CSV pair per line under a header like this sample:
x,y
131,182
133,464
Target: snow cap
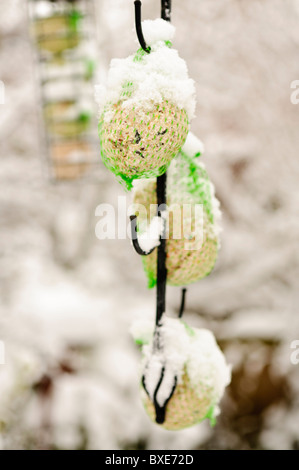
x,y
143,80
184,350
157,30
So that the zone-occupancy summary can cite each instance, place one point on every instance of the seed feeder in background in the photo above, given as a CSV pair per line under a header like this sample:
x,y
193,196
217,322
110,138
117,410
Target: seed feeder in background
x,y
64,38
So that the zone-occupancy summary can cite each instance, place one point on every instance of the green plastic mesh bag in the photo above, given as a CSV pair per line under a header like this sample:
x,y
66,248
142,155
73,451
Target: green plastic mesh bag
x,y
187,259
200,367
135,144
145,109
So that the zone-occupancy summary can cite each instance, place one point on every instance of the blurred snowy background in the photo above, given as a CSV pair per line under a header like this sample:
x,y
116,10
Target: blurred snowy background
x,y
70,380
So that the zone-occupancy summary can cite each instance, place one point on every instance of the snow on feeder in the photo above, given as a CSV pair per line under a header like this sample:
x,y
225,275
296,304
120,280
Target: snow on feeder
x,y
66,52
146,109
184,379
191,245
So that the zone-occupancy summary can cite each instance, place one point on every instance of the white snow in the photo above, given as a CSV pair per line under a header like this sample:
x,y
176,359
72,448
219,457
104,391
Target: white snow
x,y
160,75
193,146
196,352
157,30
216,227
141,330
150,238
42,9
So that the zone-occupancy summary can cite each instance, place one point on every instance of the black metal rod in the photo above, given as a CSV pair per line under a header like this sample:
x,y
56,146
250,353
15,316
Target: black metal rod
x,y
161,261
134,236
138,27
161,410
161,252
165,9
182,307
161,201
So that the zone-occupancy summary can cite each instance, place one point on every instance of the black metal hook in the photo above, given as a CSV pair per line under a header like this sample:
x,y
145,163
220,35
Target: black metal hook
x,y
182,307
160,410
165,15
138,249
138,27
165,9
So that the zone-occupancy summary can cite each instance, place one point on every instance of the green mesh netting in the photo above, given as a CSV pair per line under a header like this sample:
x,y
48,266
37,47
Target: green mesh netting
x,y
187,183
135,144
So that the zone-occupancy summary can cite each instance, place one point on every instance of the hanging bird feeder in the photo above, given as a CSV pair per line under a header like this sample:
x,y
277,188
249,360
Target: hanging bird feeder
x,y
145,114
65,64
193,238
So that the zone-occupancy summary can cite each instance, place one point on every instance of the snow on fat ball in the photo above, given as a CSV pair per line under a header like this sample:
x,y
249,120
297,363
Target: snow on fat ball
x,y
143,79
157,30
193,146
193,356
145,110
192,244
151,237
